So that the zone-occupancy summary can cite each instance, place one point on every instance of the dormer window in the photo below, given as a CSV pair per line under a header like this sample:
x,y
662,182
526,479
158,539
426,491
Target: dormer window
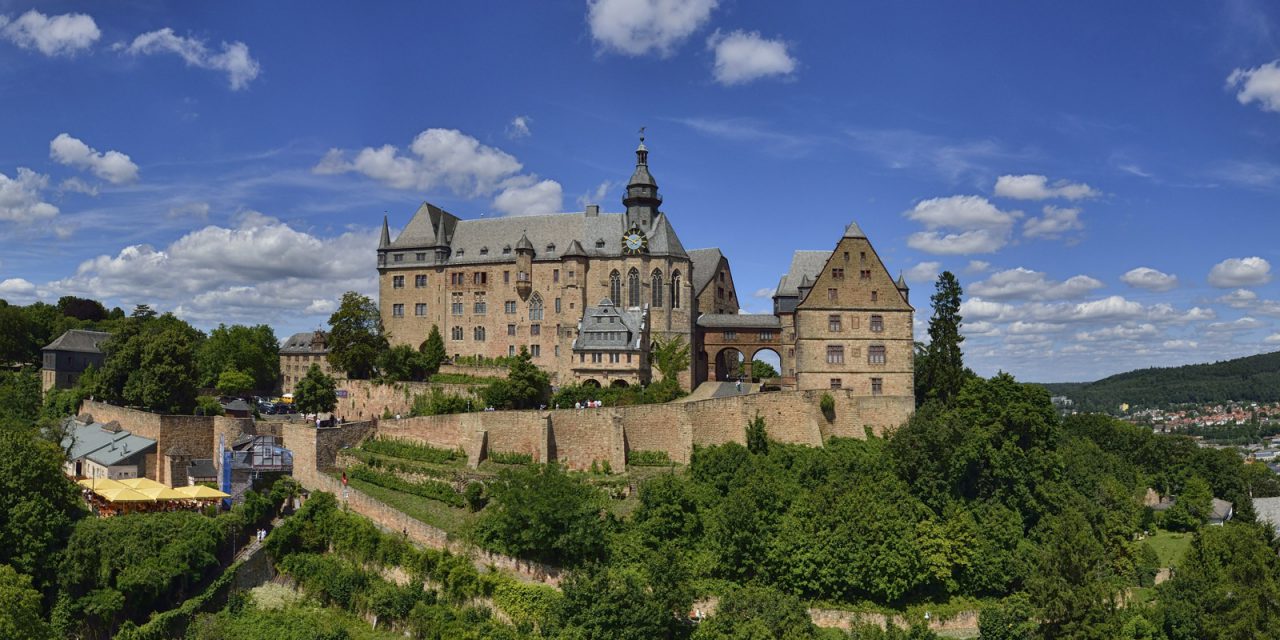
x,y
506,250
551,248
484,251
599,243
461,251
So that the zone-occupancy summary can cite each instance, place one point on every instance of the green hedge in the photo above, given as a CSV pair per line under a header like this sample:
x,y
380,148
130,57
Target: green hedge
x,y
377,461
173,623
409,450
430,489
509,457
648,458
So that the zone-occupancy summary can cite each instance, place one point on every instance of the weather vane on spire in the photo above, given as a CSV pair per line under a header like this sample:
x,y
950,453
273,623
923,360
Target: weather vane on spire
x,y
642,134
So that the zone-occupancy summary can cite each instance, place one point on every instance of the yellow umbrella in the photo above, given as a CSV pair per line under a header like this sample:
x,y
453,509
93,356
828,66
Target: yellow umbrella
x,y
142,483
99,484
201,492
161,493
123,494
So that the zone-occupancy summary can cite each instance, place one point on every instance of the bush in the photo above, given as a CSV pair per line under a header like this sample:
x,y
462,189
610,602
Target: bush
x,y
409,450
208,406
440,403
828,405
545,514
430,489
648,458
461,378
474,495
510,457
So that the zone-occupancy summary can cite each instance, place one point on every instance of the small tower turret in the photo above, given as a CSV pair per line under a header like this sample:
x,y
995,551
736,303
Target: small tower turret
x,y
642,199
524,267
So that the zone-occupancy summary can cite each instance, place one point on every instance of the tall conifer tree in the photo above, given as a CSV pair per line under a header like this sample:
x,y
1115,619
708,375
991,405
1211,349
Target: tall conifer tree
x,y
943,368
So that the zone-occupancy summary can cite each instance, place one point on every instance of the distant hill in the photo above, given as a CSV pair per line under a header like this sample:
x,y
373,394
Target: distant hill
x,y
1254,378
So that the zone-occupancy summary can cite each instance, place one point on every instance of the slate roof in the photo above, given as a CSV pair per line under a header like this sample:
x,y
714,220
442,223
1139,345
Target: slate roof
x,y
804,265
235,404
1268,510
704,262
739,320
605,327
79,340
105,447
301,343
202,468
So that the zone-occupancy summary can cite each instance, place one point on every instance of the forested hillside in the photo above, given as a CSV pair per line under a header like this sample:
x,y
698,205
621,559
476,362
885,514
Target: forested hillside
x,y
1255,378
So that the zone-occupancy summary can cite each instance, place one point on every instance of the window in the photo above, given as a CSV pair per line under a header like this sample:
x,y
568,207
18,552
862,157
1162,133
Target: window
x,y
597,358
875,295
766,336
555,274
397,310
877,324
511,350
480,308
456,333
720,292
836,384
457,279
511,329
573,275
506,277
846,256
730,335
875,354
484,251
833,323
835,354
399,257
420,257
535,350
419,281
615,287
656,284
551,248
877,386
838,273
557,305
721,276
535,307
480,277
420,309
456,304
633,288
479,334
833,295
675,290
522,276
557,351
862,255
615,358
506,250
397,282
509,306
535,329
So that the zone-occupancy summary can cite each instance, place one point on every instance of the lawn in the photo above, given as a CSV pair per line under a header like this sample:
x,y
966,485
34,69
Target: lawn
x,y
1170,546
454,521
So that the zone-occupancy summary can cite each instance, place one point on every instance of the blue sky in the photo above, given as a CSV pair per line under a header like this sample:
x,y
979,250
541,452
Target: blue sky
x,y
1103,177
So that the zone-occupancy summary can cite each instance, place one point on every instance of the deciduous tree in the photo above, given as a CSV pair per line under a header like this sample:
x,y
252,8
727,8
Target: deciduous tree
x,y
356,337
254,351
316,392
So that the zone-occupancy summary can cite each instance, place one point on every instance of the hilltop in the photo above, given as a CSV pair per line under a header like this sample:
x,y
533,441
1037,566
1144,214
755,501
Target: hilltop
x,y
1253,378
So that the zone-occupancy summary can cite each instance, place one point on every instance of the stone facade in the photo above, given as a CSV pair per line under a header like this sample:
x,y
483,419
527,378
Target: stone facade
x,y
299,352
64,360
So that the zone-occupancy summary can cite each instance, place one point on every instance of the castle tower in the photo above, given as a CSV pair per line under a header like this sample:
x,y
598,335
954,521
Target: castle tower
x,y
642,199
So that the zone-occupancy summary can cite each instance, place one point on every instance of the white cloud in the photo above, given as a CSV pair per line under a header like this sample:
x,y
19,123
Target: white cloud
x,y
454,160
960,225
1130,331
519,127
527,196
979,309
766,292
1025,283
595,196
924,272
1239,299
112,166
1149,279
1179,344
1260,84
1034,328
638,27
21,200
196,210
234,59
1055,222
1037,187
742,57
1240,272
1240,324
61,35
977,266
17,286
76,185
1272,339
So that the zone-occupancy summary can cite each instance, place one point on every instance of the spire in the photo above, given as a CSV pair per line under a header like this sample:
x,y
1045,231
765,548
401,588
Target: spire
x,y
854,231
902,282
386,234
642,199
524,244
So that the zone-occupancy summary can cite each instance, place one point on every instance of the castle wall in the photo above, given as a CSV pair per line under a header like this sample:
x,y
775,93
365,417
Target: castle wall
x,y
367,400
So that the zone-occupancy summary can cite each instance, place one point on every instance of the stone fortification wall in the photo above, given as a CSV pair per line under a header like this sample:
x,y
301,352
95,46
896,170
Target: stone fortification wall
x,y
479,371
367,400
178,438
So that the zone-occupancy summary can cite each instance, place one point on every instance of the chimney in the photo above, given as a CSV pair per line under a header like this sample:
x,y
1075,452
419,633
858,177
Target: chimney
x,y
593,210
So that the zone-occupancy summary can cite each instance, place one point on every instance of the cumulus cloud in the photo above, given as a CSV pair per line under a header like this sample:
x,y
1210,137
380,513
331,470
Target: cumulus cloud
x,y
639,27
61,35
595,196
233,59
1055,222
742,57
1149,279
1129,331
454,160
977,266
259,270
1026,283
1235,326
1240,272
112,166
196,210
960,225
17,286
1037,187
76,185
519,127
21,199
924,272
766,292
1260,84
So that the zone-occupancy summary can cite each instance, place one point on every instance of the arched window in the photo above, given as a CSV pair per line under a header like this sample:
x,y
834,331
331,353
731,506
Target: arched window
x,y
675,289
479,334
657,288
457,333
633,287
615,287
535,308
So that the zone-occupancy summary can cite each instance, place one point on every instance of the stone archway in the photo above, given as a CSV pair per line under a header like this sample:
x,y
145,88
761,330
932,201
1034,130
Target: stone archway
x,y
768,356
591,382
621,384
729,364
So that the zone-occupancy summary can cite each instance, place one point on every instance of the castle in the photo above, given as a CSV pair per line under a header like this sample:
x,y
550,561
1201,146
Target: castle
x,y
589,293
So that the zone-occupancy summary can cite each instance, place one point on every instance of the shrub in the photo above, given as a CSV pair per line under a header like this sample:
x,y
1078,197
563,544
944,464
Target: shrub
x,y
648,458
409,450
430,489
510,457
828,405
208,406
474,496
440,403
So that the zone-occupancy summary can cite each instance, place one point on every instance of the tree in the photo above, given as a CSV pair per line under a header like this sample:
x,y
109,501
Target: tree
x,y
316,392
1071,584
1227,586
235,383
356,337
20,395
403,362
433,351
1010,619
604,603
82,308
20,617
757,613
143,312
525,387
757,436
150,363
944,372
1192,508
543,513
671,356
761,370
254,351
37,504
17,344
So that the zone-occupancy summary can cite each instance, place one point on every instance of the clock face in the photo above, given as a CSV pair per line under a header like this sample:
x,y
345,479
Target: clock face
x,y
634,241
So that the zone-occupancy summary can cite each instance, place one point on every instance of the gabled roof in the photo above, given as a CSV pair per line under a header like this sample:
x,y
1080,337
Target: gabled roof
x,y
705,262
79,340
854,231
739,321
104,446
301,343
804,265
607,327
663,240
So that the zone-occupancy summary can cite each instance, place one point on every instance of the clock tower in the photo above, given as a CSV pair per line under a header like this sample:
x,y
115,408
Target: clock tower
x,y
642,199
